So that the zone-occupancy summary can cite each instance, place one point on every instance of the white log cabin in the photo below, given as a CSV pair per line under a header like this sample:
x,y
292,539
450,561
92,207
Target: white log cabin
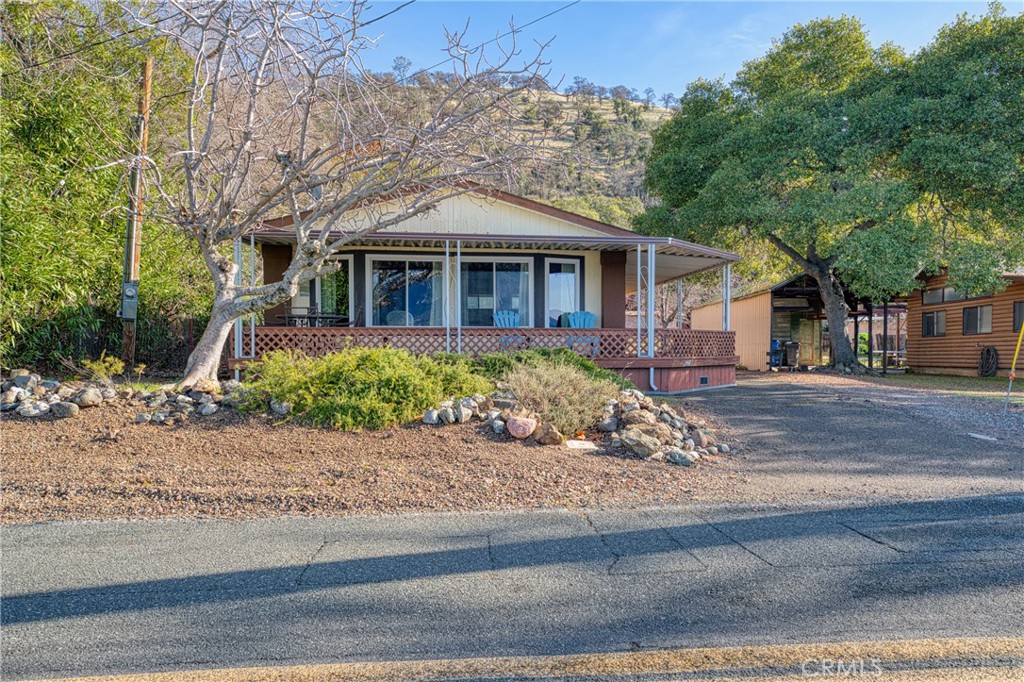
x,y
488,271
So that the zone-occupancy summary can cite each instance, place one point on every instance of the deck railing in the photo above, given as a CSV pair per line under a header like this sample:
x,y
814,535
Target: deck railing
x,y
600,344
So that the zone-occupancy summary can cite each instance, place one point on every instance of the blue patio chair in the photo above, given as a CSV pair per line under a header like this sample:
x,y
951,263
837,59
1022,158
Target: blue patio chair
x,y
506,318
582,319
582,344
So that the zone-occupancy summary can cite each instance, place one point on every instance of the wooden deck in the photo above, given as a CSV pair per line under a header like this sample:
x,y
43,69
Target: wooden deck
x,y
684,359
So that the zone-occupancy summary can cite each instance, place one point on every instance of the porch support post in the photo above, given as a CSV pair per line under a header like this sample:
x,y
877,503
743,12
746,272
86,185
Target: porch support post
x,y
639,295
458,295
238,322
885,336
252,283
446,298
679,304
871,335
650,300
727,297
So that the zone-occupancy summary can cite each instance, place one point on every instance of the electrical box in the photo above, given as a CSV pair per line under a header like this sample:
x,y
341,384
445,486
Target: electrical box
x,y
129,301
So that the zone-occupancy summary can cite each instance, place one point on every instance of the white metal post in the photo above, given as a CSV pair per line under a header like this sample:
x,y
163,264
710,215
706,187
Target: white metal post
x,y
238,322
252,283
651,321
727,297
679,304
458,295
639,299
446,298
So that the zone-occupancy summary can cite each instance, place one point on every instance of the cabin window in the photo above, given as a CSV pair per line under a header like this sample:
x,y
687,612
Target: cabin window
x,y
406,292
978,319
951,294
934,324
334,292
931,296
562,289
496,288
1018,315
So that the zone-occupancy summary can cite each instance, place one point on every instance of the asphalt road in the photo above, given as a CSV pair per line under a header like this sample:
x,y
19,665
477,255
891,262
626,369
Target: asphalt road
x,y
107,598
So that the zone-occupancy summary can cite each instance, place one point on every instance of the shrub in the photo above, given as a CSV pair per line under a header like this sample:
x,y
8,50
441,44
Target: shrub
x,y
104,367
358,388
498,365
561,393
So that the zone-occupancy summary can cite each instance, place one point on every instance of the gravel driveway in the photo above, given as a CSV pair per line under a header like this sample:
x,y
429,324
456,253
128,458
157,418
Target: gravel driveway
x,y
806,437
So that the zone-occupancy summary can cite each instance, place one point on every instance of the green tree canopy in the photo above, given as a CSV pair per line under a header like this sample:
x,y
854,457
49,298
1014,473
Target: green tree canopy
x,y
863,165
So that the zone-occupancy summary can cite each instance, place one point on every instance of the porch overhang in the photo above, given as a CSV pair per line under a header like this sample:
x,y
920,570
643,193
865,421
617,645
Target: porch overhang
x,y
674,258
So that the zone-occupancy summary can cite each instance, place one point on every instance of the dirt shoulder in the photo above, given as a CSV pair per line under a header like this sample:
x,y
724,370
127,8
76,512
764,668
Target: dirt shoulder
x,y
100,465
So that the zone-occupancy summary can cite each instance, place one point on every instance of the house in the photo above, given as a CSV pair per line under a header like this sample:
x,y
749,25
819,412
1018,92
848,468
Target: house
x,y
488,271
948,331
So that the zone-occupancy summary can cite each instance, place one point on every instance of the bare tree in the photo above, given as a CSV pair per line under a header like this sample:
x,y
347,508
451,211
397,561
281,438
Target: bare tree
x,y
283,120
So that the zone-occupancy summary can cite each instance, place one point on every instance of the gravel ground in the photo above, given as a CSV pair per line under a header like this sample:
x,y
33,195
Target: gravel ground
x,y
829,438
100,465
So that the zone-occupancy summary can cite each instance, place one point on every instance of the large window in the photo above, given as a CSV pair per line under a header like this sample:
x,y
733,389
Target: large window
x,y
1018,315
496,293
562,289
405,292
934,324
334,292
946,295
978,320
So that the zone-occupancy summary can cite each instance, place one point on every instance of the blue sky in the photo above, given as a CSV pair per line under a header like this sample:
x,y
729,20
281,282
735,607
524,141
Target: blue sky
x,y
663,45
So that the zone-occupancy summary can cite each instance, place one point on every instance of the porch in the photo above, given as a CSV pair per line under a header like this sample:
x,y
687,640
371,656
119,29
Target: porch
x,y
680,360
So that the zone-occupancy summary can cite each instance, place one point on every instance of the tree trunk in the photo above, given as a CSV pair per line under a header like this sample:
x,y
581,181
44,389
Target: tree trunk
x,y
836,312
204,360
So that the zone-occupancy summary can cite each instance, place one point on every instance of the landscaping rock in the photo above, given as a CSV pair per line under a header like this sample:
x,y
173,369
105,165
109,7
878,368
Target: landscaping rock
x,y
492,416
159,416
447,415
280,408
723,448
638,417
547,434
521,427
463,413
63,410
206,398
108,393
640,443
186,400
31,408
712,450
87,397
659,431
15,373
65,392
630,407
50,384
431,417
206,409
685,459
699,438
498,426
230,386
25,381
10,396
608,425
206,386
143,417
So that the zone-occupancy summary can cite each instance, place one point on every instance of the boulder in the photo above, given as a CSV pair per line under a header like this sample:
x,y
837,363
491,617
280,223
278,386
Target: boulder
x,y
431,417
640,443
547,434
463,413
87,397
521,427
676,456
15,373
65,392
50,384
206,409
25,381
447,415
206,386
659,431
31,408
635,417
699,438
206,399
279,407
108,393
498,426
10,396
63,410
608,425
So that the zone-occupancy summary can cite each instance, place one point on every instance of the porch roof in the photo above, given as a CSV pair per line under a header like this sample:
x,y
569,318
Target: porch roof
x,y
674,258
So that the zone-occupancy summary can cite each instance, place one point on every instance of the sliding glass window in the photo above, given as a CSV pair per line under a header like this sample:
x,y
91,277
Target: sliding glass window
x,y
496,293
406,292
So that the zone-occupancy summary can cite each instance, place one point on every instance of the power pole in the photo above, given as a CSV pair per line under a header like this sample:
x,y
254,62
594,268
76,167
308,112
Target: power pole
x,y
129,311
